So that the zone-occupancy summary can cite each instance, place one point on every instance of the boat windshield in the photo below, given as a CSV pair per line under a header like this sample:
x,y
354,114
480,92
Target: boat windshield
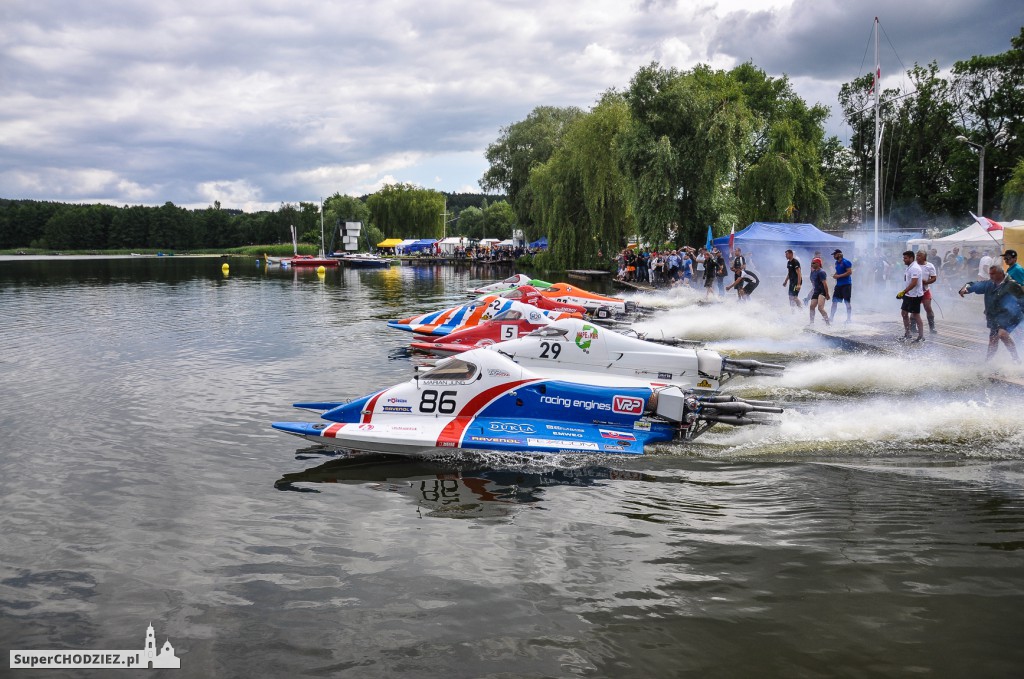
x,y
508,315
549,331
454,370
513,294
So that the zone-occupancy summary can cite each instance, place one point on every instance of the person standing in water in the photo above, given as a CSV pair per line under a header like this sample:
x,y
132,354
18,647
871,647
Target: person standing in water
x,y
1003,308
844,284
911,294
819,290
930,275
794,280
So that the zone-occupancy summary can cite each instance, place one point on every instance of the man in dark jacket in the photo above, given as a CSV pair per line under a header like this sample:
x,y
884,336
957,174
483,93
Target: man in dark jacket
x,y
1003,309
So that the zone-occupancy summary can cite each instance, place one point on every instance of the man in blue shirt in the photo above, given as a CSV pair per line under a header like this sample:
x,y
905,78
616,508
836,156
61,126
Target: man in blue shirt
x,y
844,284
1015,270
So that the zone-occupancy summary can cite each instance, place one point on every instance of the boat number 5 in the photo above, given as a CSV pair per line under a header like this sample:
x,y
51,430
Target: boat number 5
x,y
508,332
431,402
550,349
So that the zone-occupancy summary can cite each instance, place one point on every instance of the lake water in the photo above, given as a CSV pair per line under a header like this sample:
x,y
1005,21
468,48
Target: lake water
x,y
878,530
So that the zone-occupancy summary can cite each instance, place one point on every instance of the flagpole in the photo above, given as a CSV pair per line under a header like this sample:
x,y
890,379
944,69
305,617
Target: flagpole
x,y
876,76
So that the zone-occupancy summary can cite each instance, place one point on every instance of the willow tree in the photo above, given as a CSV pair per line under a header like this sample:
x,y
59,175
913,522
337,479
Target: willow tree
x,y
680,150
779,176
407,211
521,147
580,194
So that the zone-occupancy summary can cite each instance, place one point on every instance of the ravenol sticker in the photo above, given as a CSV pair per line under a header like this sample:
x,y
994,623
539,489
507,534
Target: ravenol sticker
x,y
397,409
586,336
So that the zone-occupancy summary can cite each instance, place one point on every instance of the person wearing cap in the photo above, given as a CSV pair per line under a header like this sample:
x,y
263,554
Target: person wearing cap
x,y
819,290
1014,270
1004,308
794,280
844,284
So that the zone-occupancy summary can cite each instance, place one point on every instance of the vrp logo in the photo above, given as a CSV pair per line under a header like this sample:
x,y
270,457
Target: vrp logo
x,y
630,405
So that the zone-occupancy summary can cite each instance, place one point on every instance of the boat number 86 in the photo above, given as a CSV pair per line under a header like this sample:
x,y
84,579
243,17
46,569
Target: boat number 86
x,y
432,402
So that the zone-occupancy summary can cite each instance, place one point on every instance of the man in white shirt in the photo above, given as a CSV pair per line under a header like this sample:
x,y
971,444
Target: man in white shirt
x,y
929,274
984,263
911,294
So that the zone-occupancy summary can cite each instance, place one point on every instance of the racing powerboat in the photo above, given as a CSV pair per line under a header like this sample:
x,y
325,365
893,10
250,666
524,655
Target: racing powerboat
x,y
532,295
509,283
491,403
507,325
592,301
567,347
447,321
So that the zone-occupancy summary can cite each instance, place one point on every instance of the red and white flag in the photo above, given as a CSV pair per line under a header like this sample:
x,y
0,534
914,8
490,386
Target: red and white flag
x,y
988,224
732,237
874,81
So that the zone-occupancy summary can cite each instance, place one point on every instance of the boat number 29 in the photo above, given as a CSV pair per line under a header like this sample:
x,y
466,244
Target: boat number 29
x,y
432,402
550,349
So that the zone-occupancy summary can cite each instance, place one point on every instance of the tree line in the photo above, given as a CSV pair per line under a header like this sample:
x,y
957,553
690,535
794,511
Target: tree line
x,y
398,211
678,151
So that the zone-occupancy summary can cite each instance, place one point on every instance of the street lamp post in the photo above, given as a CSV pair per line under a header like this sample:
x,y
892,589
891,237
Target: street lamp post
x,y
981,169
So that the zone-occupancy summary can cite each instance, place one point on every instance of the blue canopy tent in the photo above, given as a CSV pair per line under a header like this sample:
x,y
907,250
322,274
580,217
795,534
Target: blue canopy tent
x,y
420,245
777,237
539,244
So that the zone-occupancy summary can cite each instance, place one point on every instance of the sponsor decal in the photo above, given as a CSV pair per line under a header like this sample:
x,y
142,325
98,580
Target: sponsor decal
x,y
534,316
574,403
617,435
642,425
398,409
664,376
496,372
631,405
558,427
447,444
585,337
494,439
512,427
396,400
704,384
562,443
365,427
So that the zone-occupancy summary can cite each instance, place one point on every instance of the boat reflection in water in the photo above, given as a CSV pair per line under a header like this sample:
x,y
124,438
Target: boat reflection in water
x,y
459,487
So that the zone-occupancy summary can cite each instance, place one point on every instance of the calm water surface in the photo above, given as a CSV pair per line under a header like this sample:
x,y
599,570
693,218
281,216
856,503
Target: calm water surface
x,y
877,531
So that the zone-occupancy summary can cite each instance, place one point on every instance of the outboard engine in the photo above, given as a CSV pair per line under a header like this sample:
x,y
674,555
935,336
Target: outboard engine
x,y
696,414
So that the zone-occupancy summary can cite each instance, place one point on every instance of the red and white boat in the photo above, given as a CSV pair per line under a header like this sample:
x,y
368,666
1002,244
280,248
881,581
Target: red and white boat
x,y
508,325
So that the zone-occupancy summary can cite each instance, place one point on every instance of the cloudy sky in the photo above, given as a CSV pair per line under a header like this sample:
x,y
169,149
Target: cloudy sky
x,y
257,102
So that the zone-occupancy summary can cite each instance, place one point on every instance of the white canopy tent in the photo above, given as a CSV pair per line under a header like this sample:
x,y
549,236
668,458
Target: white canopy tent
x,y
400,248
507,243
974,237
449,244
486,243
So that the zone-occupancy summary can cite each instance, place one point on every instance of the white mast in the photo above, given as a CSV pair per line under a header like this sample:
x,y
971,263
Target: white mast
x,y
876,76
321,227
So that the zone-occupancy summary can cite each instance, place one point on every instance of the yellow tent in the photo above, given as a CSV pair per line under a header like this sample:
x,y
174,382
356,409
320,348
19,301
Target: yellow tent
x,y
389,243
1013,238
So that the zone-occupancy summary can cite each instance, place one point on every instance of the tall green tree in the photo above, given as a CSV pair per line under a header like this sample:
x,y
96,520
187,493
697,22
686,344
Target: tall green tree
x,y
581,195
407,211
687,132
521,147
